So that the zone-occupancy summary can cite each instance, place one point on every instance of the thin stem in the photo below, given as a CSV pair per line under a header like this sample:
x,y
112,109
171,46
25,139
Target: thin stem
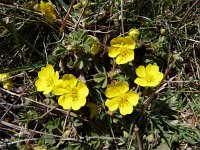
x,y
137,134
122,21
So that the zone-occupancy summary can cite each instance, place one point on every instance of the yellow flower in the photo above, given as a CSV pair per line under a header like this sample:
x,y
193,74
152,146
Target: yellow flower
x,y
122,48
119,96
39,148
7,83
48,10
4,76
149,76
96,46
47,78
134,33
73,92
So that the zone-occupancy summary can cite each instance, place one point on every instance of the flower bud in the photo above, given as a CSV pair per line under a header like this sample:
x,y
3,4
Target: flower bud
x,y
134,33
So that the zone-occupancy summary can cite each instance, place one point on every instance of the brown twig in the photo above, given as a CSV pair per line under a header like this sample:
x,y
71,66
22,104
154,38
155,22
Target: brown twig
x,y
66,17
98,128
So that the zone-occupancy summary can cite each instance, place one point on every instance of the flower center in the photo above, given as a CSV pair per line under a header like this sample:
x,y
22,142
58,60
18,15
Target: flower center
x,y
48,10
123,101
50,82
124,53
74,94
150,79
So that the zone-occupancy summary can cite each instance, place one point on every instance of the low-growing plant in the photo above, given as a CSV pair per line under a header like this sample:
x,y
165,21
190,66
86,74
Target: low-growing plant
x,y
99,75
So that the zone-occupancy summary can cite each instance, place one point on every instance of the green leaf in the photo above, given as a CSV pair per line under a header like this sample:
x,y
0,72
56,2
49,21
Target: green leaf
x,y
101,78
86,47
63,4
84,62
60,50
189,139
48,139
25,68
79,64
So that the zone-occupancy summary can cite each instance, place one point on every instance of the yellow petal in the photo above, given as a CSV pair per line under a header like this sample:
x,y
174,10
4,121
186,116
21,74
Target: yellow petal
x,y
50,7
50,18
113,51
122,87
151,69
125,107
48,10
78,103
153,83
141,72
40,85
65,101
61,88
8,84
56,76
45,72
48,90
82,89
117,42
159,76
113,103
116,89
50,70
70,80
129,43
133,98
125,56
4,76
96,46
42,7
141,81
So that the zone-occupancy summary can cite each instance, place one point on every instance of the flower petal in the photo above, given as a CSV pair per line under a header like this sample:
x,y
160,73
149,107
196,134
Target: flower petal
x,y
116,89
117,42
125,56
47,90
113,103
141,72
40,85
113,51
151,69
153,83
78,103
7,84
129,43
46,72
42,7
159,76
133,98
65,101
70,80
61,88
141,81
4,76
125,107
82,89
56,76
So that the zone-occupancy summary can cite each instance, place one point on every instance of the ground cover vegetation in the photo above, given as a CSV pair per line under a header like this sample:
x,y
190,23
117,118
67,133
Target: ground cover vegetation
x,y
104,74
